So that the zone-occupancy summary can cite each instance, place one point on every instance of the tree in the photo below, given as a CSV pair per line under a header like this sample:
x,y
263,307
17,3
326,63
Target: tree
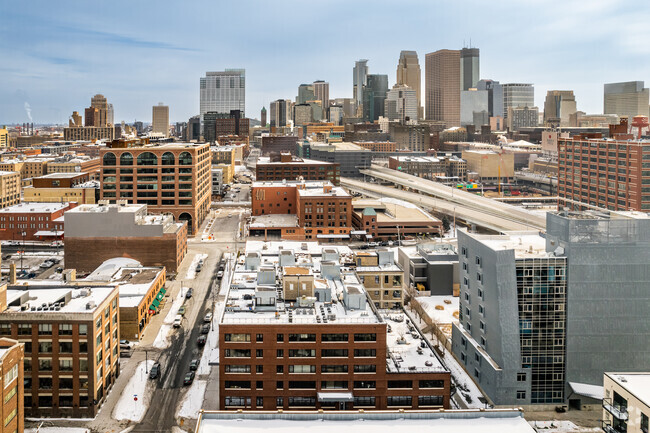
x,y
445,223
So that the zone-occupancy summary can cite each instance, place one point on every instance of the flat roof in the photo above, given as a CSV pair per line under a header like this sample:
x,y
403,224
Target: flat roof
x,y
61,175
99,208
266,160
273,220
449,421
525,244
391,210
80,298
637,384
7,173
35,207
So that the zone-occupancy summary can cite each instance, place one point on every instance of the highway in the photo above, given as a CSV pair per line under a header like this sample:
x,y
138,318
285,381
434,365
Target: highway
x,y
473,209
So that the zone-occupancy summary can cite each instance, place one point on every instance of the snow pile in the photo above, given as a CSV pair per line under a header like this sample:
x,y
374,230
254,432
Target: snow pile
x,y
162,339
126,407
191,272
193,400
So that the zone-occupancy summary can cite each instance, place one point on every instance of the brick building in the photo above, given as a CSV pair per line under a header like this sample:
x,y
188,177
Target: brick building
x,y
62,187
12,356
323,346
609,174
38,221
96,233
286,166
9,188
71,346
377,146
279,143
169,178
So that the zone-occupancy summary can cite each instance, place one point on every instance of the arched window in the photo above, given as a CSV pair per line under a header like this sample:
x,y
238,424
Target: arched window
x,y
185,158
109,159
167,158
126,159
147,158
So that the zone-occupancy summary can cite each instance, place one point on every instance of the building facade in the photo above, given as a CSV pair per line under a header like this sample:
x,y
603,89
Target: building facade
x,y
469,68
559,106
160,122
222,91
442,86
409,74
401,104
33,221
10,188
285,166
517,95
626,99
626,404
12,378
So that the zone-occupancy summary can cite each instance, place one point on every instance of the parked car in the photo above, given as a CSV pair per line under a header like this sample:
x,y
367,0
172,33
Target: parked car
x,y
178,321
189,378
188,294
31,275
201,340
46,264
125,344
194,365
154,373
220,274
181,311
125,353
208,317
205,329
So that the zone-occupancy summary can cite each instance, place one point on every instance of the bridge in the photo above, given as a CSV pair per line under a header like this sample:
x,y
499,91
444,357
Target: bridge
x,y
468,207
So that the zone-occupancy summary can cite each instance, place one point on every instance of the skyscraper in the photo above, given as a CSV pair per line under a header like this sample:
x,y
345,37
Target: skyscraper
x,y
110,114
374,94
517,95
278,113
322,93
305,93
223,91
442,86
263,117
558,106
409,74
96,114
401,103
495,96
469,68
359,77
626,99
160,119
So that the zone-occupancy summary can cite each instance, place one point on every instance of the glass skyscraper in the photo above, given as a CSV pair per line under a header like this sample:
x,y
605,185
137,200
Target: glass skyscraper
x,y
223,91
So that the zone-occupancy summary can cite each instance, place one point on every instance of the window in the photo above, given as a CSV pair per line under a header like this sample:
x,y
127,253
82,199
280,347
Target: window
x,y
334,368
167,158
399,400
302,401
238,368
259,401
334,337
5,329
259,369
365,337
521,395
238,384
302,337
11,393
11,375
45,347
363,353
259,353
364,401
237,337
478,260
429,383
237,401
45,329
430,400
24,329
332,353
521,377
370,368
10,416
185,158
279,369
65,329
126,159
238,353
302,369
365,384
279,353
408,384
302,384
302,353
109,159
644,423
147,158
334,384
279,338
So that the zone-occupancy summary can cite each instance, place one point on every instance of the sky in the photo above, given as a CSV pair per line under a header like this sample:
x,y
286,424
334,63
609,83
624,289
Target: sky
x,y
57,54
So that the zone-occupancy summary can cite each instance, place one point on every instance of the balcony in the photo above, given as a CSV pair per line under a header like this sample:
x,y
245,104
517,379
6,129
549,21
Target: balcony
x,y
608,428
617,411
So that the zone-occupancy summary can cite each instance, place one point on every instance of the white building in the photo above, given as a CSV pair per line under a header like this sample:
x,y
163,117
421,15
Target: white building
x,y
223,91
401,104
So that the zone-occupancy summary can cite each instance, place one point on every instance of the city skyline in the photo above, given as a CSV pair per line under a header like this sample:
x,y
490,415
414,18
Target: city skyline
x,y
61,55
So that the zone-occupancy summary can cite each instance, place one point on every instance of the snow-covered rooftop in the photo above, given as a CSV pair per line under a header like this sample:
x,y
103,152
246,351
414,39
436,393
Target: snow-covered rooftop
x,y
637,384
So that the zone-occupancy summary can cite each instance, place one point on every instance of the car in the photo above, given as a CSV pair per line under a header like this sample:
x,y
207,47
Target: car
x,y
189,378
201,340
46,264
31,275
208,317
178,321
220,274
205,329
55,261
199,267
188,294
125,344
125,353
6,257
194,365
230,215
154,373
181,311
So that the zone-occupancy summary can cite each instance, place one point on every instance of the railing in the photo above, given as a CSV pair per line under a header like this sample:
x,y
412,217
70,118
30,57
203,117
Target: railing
x,y
617,411
608,428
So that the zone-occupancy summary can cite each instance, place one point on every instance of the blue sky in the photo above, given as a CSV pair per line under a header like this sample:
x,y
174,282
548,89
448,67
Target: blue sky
x,y
57,54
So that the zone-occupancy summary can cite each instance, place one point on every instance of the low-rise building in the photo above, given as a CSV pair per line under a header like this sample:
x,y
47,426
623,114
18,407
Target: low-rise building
x,y
377,146
75,164
285,166
217,181
626,402
96,233
62,187
382,277
9,188
431,268
89,133
12,377
488,166
33,221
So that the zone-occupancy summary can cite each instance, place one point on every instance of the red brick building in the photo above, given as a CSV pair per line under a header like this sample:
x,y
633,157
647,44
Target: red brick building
x,y
38,221
281,166
12,356
279,143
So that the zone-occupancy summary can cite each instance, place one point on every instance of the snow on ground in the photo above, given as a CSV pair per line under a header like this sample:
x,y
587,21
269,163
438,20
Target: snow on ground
x,y
126,407
162,339
57,430
191,272
560,427
193,400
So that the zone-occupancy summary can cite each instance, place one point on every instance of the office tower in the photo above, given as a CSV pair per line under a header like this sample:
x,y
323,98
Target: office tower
x,y
160,122
217,125
322,93
263,117
110,114
305,93
409,74
348,105
278,113
335,114
442,86
517,95
558,107
401,104
374,94
359,77
75,120
521,117
223,91
495,96
626,99
302,114
474,103
469,68
193,131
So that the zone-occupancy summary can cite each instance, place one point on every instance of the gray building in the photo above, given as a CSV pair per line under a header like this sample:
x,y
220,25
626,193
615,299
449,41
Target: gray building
x,y
522,117
495,96
517,95
374,95
430,267
401,104
223,91
350,156
278,113
359,79
305,93
473,101
626,99
469,68
540,316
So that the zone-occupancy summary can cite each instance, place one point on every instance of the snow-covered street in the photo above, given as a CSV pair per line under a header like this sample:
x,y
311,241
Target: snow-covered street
x,y
162,339
127,408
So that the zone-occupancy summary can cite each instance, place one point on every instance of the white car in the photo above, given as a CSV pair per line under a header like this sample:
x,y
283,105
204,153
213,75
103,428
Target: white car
x,y
208,318
178,321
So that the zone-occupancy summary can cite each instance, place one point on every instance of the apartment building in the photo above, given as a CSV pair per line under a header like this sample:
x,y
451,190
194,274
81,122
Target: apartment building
x,y
96,233
74,164
430,268
33,221
382,277
89,133
278,167
626,402
608,174
9,188
320,343
12,356
62,187
70,337
377,146
170,178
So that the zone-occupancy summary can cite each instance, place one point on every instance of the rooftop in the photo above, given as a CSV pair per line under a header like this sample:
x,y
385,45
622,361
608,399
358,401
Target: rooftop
x,y
57,300
392,210
637,384
34,207
525,244
274,220
61,175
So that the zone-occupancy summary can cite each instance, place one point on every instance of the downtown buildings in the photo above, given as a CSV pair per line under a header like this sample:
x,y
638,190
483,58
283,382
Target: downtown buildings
x,y
626,99
409,74
442,86
160,122
222,92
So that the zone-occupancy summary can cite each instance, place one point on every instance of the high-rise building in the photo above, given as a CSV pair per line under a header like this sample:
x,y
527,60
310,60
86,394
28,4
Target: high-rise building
x,y
302,114
160,122
521,117
263,117
223,91
469,68
495,96
322,93
335,114
348,105
401,104
75,120
110,114
305,93
474,104
193,131
626,99
374,94
517,95
558,107
217,125
278,113
409,74
442,86
359,77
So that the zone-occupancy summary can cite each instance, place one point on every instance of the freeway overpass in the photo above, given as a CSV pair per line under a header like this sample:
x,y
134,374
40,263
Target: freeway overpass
x,y
473,209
